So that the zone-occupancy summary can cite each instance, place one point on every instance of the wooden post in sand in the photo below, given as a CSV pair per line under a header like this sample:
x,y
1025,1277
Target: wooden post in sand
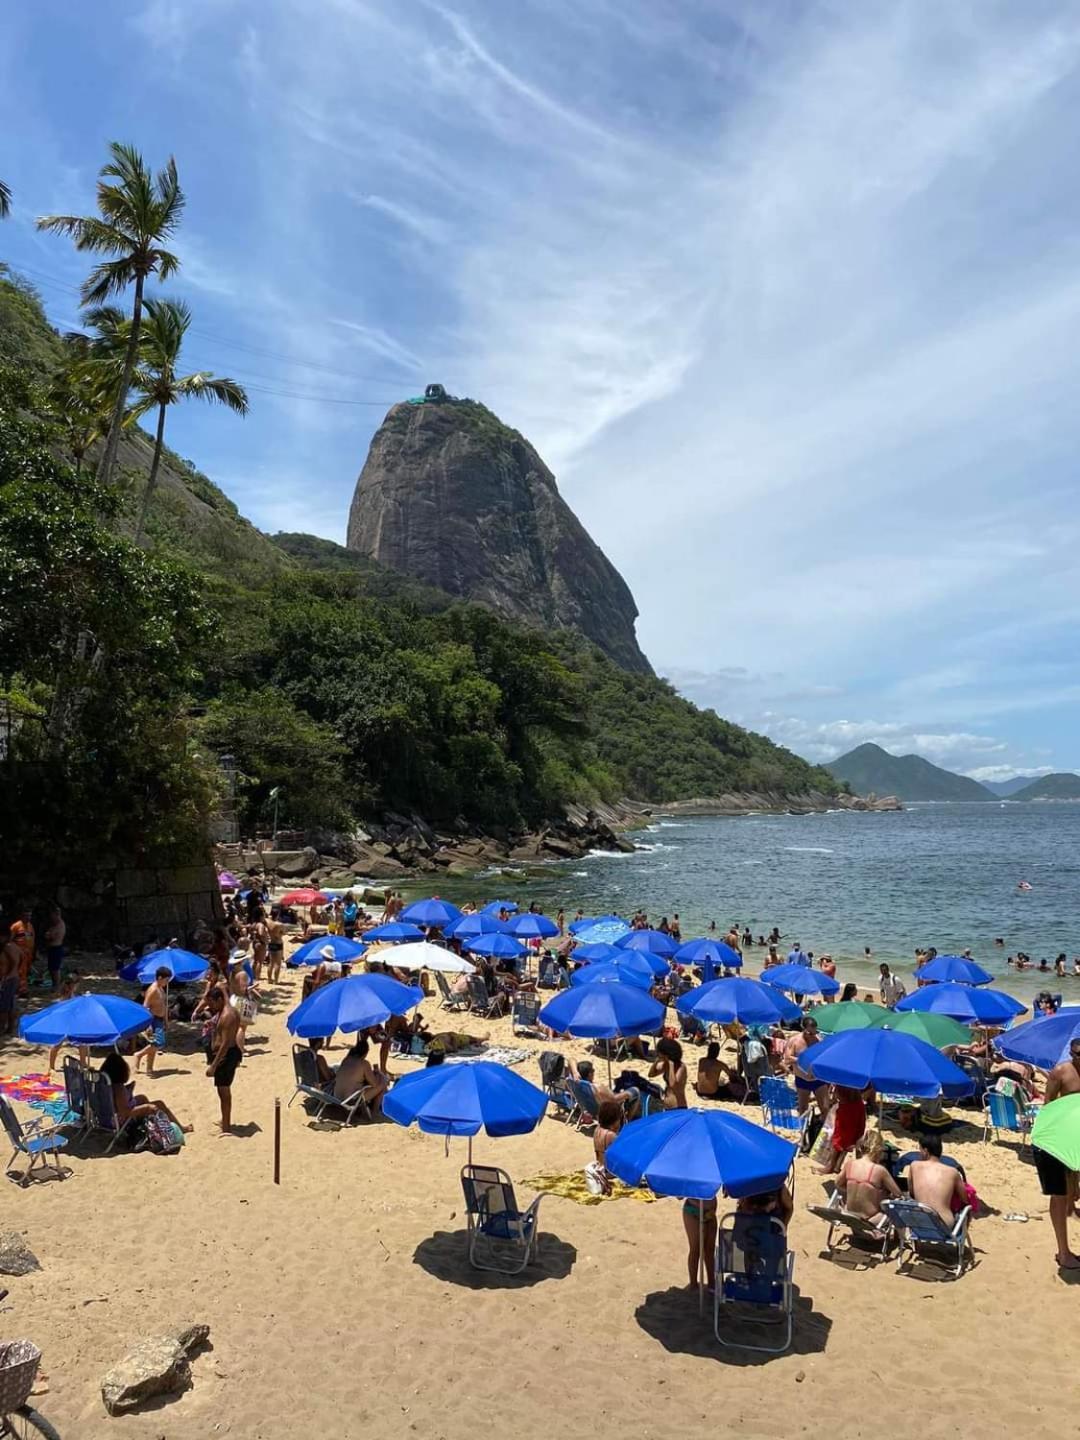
x,y
277,1139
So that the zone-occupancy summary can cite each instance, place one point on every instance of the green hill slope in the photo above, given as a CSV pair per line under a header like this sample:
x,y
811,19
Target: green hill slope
x,y
870,770
1063,786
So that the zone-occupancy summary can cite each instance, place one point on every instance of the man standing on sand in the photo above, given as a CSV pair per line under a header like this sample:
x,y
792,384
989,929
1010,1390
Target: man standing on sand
x,y
227,1055
795,1058
1058,1182
155,1001
890,988
936,1184
22,933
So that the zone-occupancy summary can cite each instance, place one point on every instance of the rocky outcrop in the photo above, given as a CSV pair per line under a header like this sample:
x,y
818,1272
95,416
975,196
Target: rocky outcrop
x,y
157,1365
770,802
455,498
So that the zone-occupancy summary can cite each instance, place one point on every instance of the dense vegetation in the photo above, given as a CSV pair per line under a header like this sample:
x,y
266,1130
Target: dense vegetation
x,y
347,688
1063,786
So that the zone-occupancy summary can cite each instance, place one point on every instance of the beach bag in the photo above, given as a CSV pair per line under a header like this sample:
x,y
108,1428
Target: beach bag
x,y
161,1136
597,1179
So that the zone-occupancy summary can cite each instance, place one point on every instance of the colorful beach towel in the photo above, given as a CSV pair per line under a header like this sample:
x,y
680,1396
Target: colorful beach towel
x,y
572,1186
37,1091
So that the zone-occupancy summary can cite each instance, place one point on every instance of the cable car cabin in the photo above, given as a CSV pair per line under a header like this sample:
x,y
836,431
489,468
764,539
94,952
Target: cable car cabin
x,y
435,392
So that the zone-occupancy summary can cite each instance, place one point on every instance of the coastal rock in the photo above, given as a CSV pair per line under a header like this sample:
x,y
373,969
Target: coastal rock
x,y
292,864
455,498
16,1257
157,1365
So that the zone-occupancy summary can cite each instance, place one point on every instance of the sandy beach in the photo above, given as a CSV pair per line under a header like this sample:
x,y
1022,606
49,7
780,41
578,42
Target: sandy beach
x,y
340,1303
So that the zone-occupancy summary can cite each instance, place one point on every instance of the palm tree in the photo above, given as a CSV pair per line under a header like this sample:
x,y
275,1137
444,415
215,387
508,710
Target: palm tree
x,y
138,211
5,199
158,386
81,399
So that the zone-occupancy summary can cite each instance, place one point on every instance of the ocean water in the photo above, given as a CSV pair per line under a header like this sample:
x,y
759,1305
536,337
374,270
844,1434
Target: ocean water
x,y
933,874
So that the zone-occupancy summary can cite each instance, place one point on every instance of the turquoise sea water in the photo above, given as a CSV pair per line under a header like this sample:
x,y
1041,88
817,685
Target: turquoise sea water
x,y
941,874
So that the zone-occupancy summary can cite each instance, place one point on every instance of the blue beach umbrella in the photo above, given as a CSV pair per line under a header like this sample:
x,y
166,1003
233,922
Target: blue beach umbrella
x,y
433,911
711,955
891,1062
182,965
497,946
86,1020
800,980
615,972
312,953
965,1003
1043,1042
603,1012
608,929
354,1003
955,968
722,1002
456,1099
394,932
469,926
532,927
697,1153
653,942
589,954
494,906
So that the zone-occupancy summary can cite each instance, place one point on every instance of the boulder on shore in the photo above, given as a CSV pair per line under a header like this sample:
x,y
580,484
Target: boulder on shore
x,y
157,1365
16,1257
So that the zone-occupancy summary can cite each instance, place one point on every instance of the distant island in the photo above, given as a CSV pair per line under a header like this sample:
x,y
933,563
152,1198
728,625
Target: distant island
x,y
870,770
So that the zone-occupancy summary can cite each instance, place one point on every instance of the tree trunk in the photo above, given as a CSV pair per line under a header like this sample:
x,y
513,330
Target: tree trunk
x,y
159,440
116,424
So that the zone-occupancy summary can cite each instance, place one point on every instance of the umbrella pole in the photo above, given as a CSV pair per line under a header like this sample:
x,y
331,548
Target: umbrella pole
x,y
607,1052
470,1152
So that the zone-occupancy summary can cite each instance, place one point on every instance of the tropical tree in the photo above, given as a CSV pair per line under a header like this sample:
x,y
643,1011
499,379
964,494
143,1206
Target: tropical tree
x,y
5,199
158,386
80,398
138,212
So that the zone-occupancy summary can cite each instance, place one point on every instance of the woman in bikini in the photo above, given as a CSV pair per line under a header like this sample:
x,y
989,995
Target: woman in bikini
x,y
669,1066
699,1222
864,1182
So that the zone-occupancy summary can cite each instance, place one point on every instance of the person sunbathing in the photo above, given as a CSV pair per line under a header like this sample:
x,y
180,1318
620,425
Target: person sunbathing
x,y
864,1182
936,1184
128,1106
356,1073
715,1080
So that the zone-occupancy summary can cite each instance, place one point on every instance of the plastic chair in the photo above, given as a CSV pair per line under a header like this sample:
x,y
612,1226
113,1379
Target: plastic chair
x,y
923,1235
754,1268
310,1085
493,1214
779,1105
1002,1112
854,1227
33,1140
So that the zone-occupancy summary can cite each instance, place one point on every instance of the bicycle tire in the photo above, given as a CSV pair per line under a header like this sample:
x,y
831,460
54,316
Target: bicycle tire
x,y
25,1423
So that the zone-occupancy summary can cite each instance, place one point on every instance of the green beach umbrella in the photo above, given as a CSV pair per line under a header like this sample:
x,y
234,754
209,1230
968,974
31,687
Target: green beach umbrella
x,y
1057,1130
936,1030
849,1015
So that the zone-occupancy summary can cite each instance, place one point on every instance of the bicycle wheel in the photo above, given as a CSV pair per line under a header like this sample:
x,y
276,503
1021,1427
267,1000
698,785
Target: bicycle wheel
x,y
25,1423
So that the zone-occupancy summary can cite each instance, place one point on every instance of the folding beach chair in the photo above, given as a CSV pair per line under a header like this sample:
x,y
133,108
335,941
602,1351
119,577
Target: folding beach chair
x,y
103,1114
556,1085
77,1082
34,1140
494,1215
480,1002
585,1100
526,1012
1004,1112
308,1084
923,1235
548,978
754,1269
779,1105
447,999
853,1227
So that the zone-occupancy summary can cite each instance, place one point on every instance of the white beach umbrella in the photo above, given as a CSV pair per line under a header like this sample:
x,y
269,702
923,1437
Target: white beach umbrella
x,y
422,955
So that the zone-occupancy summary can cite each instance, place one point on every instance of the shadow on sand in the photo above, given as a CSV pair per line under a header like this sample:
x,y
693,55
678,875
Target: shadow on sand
x,y
672,1317
445,1256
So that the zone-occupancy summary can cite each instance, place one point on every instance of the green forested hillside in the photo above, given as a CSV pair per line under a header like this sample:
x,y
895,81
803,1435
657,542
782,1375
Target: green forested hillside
x,y
1063,786
870,770
356,690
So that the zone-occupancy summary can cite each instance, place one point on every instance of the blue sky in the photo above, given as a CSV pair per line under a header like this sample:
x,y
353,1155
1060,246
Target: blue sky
x,y
786,293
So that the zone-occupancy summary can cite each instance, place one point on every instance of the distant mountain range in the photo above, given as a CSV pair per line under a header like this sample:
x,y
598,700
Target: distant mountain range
x,y
870,770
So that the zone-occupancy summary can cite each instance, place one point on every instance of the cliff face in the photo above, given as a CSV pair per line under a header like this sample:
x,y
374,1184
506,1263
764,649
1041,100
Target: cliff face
x,y
455,498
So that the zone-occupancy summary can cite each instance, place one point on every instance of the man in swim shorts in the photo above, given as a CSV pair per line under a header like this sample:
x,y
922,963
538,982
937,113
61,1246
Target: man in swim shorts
x,y
227,1053
794,1064
1058,1182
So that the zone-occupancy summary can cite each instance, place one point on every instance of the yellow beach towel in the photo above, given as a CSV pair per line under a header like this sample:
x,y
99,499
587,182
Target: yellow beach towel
x,y
572,1186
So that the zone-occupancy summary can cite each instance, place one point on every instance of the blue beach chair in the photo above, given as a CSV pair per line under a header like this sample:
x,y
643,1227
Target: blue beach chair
x,y
494,1215
754,1270
33,1141
1004,1112
779,1105
923,1235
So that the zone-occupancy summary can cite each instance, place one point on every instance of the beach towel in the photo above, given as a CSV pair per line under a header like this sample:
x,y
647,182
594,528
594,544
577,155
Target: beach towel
x,y
37,1091
573,1186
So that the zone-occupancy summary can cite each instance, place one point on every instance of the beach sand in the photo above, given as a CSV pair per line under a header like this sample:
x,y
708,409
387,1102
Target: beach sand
x,y
341,1304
